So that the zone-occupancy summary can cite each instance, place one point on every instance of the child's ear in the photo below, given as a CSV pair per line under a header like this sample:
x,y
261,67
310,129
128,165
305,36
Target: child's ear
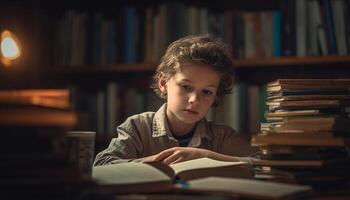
x,y
162,84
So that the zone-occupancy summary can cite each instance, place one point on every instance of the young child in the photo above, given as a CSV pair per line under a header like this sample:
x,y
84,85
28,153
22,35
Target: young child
x,y
193,75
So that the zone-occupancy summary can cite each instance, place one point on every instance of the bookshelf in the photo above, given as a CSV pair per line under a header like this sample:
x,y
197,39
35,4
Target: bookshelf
x,y
115,69
240,64
59,58
291,61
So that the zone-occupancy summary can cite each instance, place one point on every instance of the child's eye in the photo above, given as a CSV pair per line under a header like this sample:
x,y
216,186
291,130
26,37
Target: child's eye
x,y
186,88
207,92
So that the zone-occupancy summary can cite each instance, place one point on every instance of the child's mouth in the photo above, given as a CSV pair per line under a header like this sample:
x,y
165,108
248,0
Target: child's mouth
x,y
191,111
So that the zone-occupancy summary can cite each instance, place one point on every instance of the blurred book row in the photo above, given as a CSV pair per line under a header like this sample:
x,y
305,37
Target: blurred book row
x,y
141,34
305,138
104,109
243,109
34,162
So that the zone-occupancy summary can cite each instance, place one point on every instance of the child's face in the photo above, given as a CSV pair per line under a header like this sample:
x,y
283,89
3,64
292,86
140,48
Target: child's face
x,y
190,93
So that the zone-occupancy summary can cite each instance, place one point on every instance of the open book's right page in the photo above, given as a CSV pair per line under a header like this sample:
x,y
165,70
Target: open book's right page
x,y
204,167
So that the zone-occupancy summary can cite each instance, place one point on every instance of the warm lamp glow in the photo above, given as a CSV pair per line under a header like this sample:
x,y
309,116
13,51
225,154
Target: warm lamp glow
x,y
10,47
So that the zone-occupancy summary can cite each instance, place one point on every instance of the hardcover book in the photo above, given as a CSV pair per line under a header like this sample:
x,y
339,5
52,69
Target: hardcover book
x,y
158,177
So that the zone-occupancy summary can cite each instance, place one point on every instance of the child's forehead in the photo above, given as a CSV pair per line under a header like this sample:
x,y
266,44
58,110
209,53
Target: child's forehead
x,y
194,72
194,66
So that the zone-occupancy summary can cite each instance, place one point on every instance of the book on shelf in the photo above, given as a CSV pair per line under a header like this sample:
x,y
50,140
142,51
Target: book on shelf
x,y
289,93
281,115
302,153
301,134
278,98
312,177
300,117
288,28
303,92
306,87
290,113
315,103
300,140
253,109
157,177
316,155
53,98
276,33
300,23
339,26
317,42
309,125
245,188
54,93
309,82
326,164
332,48
339,106
36,107
324,120
297,150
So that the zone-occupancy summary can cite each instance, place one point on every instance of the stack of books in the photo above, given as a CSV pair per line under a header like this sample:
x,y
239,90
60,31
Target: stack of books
x,y
33,159
305,137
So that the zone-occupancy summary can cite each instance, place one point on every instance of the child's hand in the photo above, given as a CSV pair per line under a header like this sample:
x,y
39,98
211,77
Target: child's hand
x,y
147,159
180,154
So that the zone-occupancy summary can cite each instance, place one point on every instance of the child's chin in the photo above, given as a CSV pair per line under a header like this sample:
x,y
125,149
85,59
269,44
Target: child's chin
x,y
190,119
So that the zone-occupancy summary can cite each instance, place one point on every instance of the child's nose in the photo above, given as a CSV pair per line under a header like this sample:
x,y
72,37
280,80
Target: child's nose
x,y
194,98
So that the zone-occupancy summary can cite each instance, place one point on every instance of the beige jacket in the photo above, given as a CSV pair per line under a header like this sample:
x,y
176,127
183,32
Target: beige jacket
x,y
148,134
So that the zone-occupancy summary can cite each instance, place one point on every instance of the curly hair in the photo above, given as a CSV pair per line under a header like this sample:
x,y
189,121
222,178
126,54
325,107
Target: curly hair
x,y
196,49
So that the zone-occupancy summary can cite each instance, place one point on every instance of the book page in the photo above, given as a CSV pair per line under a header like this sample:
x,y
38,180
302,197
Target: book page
x,y
127,173
202,163
246,187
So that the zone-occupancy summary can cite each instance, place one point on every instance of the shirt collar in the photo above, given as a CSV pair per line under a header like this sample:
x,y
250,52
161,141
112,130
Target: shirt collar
x,y
161,127
160,124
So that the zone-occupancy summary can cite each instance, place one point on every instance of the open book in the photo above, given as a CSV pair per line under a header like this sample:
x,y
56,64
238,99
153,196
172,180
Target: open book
x,y
158,177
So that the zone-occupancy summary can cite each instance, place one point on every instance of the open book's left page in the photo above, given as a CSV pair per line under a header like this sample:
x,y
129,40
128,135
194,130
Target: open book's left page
x,y
131,177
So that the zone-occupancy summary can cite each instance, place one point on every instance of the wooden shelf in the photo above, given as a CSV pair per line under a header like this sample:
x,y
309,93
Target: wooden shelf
x,y
115,68
239,64
289,61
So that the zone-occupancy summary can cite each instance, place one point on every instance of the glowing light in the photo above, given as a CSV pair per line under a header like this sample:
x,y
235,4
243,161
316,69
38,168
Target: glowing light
x,y
10,47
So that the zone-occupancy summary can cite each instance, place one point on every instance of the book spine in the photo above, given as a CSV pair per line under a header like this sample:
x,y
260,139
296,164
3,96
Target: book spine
x,y
288,28
347,23
321,29
277,33
300,27
330,27
253,109
130,23
267,33
312,28
111,45
339,26
249,36
239,35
